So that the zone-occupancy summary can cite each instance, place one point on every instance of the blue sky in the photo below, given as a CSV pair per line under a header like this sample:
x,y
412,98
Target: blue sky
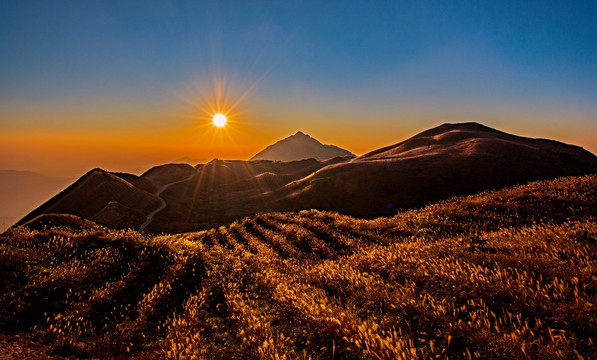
x,y
400,66
109,46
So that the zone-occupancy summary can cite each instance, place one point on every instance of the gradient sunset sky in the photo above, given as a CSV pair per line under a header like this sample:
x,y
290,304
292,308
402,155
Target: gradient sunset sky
x,y
125,85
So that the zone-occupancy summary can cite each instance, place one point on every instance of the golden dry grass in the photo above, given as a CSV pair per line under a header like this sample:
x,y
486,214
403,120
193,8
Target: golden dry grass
x,y
508,274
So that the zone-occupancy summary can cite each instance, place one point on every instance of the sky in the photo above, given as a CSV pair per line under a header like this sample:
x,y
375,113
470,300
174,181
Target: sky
x,y
125,85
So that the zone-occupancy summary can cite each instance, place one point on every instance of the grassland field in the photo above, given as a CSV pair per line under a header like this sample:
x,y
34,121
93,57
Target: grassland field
x,y
505,274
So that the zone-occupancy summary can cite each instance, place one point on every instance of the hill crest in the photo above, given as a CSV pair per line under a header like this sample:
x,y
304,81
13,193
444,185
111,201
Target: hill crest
x,y
464,139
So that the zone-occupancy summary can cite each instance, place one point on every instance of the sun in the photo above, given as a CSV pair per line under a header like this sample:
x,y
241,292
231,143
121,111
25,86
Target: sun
x,y
218,108
219,120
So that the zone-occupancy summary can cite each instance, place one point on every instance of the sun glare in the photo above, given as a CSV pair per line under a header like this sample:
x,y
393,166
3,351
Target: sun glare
x,y
219,120
218,112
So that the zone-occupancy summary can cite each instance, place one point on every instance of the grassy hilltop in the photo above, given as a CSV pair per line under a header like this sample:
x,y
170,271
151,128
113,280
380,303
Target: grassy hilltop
x,y
507,274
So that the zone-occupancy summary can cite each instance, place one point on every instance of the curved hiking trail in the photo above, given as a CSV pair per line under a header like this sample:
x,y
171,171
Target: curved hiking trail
x,y
162,201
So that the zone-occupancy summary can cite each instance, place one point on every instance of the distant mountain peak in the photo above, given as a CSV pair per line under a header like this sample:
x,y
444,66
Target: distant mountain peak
x,y
302,135
298,147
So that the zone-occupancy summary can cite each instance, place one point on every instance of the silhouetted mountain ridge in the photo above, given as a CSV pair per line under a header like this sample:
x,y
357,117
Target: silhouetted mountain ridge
x,y
298,147
451,159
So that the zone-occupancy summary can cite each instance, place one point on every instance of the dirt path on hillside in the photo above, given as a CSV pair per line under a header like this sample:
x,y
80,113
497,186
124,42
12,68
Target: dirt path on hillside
x,y
157,194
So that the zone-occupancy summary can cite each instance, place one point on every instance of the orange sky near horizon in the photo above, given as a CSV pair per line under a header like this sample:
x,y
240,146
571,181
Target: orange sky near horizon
x,y
65,138
184,134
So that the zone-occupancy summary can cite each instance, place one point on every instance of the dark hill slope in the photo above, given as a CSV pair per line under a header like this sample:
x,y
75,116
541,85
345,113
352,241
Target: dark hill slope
x,y
509,274
199,197
47,221
222,191
98,193
448,160
168,173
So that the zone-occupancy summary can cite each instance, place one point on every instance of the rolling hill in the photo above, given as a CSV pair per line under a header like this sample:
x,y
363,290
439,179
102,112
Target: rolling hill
x,y
117,200
507,274
451,159
177,197
222,191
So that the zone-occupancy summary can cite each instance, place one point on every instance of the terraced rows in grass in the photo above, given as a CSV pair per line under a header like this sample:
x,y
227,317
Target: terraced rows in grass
x,y
509,274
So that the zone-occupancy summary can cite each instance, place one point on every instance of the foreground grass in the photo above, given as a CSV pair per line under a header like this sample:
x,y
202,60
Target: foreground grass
x,y
510,274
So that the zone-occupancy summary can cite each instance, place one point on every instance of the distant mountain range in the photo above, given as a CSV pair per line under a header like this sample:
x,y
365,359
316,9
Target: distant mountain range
x,y
451,159
298,147
23,191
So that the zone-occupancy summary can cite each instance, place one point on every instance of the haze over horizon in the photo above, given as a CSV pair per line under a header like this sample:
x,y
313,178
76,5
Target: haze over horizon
x,y
130,85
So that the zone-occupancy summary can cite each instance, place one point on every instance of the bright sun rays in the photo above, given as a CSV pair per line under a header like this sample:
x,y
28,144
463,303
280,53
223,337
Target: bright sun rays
x,y
220,117
218,109
219,120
